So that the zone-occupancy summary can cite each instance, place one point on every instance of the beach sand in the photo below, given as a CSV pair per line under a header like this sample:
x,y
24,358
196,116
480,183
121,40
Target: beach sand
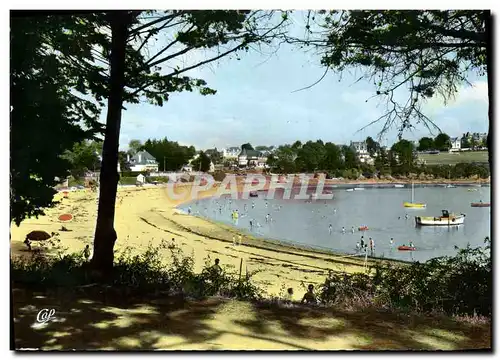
x,y
148,215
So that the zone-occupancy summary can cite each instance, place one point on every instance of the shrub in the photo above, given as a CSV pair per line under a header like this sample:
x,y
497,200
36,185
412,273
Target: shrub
x,y
458,285
140,274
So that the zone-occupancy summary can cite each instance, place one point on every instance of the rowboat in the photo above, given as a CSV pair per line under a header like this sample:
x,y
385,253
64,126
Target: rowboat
x,y
359,189
363,228
406,248
480,204
399,186
446,219
472,189
254,194
350,190
413,204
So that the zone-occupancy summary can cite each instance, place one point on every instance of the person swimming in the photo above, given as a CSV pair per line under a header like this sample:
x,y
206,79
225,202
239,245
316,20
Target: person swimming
x,y
343,230
352,229
330,228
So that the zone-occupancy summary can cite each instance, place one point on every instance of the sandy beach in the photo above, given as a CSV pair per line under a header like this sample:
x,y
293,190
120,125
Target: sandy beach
x,y
148,215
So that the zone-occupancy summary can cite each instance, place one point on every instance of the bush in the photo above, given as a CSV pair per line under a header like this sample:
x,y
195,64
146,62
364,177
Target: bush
x,y
128,180
219,175
140,274
459,285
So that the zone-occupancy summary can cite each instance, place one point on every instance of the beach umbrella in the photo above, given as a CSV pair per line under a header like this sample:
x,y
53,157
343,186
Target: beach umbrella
x,y
65,217
39,235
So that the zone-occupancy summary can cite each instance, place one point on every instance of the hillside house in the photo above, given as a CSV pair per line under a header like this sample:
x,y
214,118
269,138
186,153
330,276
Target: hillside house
x,y
361,150
142,161
251,158
231,152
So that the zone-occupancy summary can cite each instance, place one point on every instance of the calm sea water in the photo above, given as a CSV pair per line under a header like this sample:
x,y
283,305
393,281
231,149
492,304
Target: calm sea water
x,y
379,208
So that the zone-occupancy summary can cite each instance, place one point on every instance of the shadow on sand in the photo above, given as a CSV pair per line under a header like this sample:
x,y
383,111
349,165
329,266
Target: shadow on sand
x,y
102,319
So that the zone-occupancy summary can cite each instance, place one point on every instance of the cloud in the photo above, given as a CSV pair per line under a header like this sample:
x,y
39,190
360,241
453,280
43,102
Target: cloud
x,y
477,93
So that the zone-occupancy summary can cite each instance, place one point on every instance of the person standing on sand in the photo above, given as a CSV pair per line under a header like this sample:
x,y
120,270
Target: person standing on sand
x,y
239,239
86,253
372,245
362,242
189,210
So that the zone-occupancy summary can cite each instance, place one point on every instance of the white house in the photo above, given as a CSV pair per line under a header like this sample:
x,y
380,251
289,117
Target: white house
x,y
361,150
251,158
231,152
143,161
456,144
141,179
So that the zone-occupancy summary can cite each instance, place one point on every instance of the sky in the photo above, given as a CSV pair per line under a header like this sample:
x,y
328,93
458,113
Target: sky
x,y
256,103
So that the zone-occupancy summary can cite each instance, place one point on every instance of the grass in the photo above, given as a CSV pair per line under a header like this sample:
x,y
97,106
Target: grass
x,y
454,158
128,180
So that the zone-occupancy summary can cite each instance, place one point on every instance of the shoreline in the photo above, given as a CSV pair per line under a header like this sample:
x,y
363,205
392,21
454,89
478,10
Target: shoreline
x,y
149,216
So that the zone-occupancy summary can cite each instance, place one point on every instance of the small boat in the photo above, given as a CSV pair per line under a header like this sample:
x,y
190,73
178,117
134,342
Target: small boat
x,y
480,204
350,190
406,248
254,194
413,204
446,219
363,228
359,189
472,189
399,186
314,196
449,186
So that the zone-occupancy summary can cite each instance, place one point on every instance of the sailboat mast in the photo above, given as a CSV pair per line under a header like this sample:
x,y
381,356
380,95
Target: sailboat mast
x,y
412,193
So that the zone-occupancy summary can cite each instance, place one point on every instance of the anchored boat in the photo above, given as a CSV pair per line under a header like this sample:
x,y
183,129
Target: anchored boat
x,y
446,219
406,248
413,204
480,204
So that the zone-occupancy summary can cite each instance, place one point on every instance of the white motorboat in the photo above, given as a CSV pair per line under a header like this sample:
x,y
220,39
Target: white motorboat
x,y
446,219
399,186
359,189
350,190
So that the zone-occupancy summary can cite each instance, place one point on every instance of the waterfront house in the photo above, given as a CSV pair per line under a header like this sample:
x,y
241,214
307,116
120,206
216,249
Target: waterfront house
x,y
142,161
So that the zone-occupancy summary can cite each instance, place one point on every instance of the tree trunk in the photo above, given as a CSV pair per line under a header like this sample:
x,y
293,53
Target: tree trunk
x,y
105,234
489,73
